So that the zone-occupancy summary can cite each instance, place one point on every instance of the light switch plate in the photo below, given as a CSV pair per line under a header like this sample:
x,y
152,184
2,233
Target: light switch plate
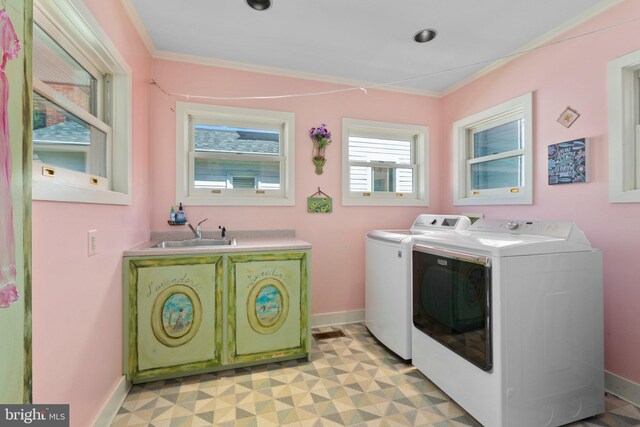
x,y
91,242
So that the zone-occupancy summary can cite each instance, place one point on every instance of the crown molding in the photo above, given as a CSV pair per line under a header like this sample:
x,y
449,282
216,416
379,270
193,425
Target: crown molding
x,y
139,26
537,42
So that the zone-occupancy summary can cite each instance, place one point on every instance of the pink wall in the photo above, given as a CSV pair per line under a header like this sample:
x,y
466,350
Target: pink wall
x,y
77,300
337,238
573,74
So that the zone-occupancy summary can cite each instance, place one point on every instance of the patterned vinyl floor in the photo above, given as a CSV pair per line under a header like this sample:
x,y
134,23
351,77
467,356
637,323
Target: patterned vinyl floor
x,y
350,381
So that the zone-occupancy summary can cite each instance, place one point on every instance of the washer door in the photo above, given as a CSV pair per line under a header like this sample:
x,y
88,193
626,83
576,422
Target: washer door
x,y
451,301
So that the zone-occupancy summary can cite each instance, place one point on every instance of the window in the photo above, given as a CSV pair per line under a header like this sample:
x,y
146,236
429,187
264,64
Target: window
x,y
384,164
234,156
81,109
493,155
624,128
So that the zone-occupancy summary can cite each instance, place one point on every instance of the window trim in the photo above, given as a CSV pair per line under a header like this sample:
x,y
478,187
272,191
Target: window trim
x,y
185,111
624,113
520,107
376,129
80,32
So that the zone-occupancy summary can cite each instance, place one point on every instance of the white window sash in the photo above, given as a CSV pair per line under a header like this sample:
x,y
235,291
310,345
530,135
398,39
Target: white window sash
x,y
417,136
71,24
260,193
226,192
463,130
66,176
498,156
497,120
43,173
189,115
388,165
57,98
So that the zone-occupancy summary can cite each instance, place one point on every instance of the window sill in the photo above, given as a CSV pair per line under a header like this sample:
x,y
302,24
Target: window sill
x,y
631,196
55,192
483,201
352,201
235,201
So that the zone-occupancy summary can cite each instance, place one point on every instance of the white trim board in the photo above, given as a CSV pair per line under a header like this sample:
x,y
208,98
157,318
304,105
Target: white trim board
x,y
112,405
622,388
337,318
139,26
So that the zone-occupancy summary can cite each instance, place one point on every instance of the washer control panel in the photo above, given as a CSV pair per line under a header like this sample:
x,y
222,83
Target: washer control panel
x,y
442,222
561,229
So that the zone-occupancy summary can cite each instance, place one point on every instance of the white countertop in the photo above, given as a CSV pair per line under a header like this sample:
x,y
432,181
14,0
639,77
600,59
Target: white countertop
x,y
244,244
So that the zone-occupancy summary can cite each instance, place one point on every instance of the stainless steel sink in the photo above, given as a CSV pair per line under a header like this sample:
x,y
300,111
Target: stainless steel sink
x,y
195,243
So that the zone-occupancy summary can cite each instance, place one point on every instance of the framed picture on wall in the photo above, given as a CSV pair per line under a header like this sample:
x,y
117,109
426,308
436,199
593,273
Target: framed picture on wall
x,y
568,162
568,116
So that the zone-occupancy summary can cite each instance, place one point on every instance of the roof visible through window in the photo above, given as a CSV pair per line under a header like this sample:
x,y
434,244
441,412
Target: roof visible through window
x,y
236,140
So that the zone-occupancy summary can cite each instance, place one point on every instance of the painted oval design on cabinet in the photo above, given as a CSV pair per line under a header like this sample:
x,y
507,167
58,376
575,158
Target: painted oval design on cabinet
x,y
176,315
267,306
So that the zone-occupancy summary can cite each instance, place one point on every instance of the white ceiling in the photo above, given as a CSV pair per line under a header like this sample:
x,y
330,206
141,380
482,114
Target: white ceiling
x,y
361,40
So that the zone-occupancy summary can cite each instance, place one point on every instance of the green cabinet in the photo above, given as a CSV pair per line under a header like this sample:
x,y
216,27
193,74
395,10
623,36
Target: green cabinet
x,y
198,313
268,306
174,315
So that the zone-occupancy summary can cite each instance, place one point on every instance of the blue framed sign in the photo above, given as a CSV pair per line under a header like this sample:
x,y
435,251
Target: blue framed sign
x,y
567,162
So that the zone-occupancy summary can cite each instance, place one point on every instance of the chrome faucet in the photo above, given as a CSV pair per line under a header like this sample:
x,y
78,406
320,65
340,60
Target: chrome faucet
x,y
198,230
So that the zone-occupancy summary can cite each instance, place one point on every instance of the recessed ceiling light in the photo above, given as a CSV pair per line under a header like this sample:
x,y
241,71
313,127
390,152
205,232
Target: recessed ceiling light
x,y
425,35
259,4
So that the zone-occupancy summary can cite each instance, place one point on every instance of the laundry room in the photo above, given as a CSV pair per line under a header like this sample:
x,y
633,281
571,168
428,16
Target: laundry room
x,y
330,169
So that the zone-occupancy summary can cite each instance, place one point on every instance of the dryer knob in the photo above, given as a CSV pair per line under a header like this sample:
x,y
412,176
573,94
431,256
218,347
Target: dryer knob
x,y
512,225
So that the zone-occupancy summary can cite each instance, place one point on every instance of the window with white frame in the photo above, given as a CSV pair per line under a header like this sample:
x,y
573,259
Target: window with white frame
x,y
81,109
493,155
384,164
234,156
624,128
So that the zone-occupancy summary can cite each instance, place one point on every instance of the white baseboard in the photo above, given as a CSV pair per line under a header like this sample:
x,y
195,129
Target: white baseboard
x,y
337,318
113,403
622,387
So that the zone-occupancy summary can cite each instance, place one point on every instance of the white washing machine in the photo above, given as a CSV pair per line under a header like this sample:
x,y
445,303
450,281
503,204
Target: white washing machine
x,y
388,278
508,321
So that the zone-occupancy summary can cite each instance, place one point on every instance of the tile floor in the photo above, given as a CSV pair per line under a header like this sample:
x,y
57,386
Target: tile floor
x,y
350,381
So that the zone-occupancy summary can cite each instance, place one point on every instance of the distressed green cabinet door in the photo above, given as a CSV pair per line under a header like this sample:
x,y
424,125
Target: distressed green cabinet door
x,y
268,306
175,316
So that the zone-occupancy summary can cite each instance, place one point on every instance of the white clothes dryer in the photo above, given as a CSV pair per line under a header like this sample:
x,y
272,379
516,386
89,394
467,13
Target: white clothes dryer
x,y
508,321
388,278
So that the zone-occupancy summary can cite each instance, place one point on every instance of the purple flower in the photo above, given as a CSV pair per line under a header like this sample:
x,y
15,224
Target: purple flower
x,y
321,133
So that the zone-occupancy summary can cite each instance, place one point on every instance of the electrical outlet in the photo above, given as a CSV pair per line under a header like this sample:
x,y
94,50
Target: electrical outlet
x,y
91,243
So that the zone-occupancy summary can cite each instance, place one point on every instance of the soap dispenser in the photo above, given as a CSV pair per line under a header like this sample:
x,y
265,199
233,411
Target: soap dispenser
x,y
180,217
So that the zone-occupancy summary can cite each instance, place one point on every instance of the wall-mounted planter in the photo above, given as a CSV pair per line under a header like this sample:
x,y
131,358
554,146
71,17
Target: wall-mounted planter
x,y
319,163
321,137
